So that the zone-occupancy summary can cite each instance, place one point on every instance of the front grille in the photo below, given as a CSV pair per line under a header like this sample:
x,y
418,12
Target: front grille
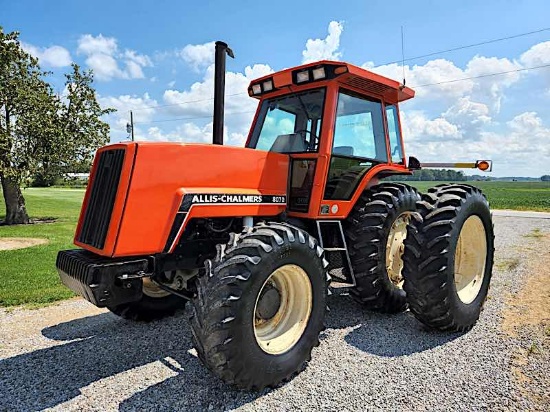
x,y
99,209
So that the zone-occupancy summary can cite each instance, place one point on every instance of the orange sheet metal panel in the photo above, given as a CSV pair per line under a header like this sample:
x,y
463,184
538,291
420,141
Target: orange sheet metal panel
x,y
340,209
118,208
163,172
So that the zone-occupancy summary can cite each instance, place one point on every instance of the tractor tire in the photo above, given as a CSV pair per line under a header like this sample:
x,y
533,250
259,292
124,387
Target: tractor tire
x,y
448,256
374,233
154,304
260,306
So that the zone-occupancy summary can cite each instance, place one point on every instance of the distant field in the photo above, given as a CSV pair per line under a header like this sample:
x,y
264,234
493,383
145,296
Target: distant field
x,y
28,276
508,195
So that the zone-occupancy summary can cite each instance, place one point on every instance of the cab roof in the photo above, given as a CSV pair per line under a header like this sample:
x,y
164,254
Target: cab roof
x,y
344,73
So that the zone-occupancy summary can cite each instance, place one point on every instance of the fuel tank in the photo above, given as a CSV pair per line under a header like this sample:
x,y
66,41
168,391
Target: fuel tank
x,y
141,194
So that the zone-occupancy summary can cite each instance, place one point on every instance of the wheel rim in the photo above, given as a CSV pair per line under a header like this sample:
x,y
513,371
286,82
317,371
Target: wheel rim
x,y
280,321
470,258
395,247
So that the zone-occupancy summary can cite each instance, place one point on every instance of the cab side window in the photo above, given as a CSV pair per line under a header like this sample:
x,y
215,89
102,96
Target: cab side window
x,y
395,137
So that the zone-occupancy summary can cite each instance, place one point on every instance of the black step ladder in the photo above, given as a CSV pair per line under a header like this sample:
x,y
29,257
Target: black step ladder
x,y
333,242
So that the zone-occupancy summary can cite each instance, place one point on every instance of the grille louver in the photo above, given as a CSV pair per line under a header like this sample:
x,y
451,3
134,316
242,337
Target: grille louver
x,y
99,209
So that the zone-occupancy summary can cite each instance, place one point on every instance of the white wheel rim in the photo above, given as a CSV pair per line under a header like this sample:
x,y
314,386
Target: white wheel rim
x,y
394,249
281,332
152,289
470,259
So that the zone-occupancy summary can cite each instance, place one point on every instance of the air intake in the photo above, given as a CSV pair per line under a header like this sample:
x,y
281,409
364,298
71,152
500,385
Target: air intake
x,y
99,209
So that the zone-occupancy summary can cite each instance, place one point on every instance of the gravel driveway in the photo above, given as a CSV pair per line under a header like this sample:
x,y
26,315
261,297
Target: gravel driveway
x,y
73,356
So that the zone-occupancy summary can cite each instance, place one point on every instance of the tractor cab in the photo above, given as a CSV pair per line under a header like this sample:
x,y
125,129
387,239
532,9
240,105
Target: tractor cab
x,y
338,123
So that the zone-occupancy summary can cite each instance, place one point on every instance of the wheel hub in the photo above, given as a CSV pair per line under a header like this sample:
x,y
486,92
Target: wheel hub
x,y
395,247
470,257
282,309
268,303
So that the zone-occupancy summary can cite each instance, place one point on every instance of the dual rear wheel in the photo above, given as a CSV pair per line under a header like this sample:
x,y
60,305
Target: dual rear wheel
x,y
433,253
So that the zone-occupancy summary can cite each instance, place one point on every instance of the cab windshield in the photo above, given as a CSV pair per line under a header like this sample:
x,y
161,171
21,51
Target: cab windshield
x,y
290,123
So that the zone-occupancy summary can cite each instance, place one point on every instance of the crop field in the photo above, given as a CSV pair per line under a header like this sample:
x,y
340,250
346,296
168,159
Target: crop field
x,y
28,275
508,195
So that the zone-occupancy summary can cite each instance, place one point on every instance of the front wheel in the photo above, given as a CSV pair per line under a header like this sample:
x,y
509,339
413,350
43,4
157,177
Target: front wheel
x,y
448,256
260,306
155,302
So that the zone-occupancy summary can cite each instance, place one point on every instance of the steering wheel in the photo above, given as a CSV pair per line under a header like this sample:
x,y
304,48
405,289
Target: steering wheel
x,y
312,140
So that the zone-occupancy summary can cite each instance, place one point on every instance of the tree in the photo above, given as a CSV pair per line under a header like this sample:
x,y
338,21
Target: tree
x,y
545,178
41,133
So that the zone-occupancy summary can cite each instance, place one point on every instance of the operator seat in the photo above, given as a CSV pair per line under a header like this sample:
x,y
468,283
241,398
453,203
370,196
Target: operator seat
x,y
289,143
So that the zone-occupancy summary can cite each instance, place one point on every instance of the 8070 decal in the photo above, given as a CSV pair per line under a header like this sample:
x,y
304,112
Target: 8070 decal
x,y
279,199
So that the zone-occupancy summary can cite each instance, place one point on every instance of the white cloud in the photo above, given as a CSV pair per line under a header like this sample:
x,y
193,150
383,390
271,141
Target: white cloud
x,y
198,56
537,55
144,110
54,56
88,44
103,57
186,132
417,126
442,80
324,49
197,101
469,117
460,121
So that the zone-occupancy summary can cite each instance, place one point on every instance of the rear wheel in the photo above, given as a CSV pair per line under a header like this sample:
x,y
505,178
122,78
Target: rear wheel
x,y
155,302
449,257
260,306
375,232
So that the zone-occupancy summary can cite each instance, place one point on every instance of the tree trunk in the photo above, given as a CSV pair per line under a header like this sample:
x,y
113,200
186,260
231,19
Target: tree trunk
x,y
16,212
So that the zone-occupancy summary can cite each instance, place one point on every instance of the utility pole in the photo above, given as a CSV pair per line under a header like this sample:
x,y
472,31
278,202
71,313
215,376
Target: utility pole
x,y
130,126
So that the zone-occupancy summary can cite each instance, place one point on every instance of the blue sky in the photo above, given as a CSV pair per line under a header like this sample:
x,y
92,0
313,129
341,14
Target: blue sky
x,y
160,54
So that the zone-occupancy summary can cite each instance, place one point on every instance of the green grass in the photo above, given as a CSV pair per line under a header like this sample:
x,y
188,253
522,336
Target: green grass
x,y
508,195
28,276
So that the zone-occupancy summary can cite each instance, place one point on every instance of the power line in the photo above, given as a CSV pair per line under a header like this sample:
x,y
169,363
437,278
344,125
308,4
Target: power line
x,y
190,118
481,76
467,46
392,62
186,102
413,87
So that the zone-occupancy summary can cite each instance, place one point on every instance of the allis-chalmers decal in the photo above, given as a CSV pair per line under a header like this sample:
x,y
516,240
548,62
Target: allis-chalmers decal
x,y
227,198
191,199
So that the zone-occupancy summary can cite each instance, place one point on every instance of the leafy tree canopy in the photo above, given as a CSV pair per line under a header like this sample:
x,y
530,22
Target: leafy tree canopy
x,y
42,133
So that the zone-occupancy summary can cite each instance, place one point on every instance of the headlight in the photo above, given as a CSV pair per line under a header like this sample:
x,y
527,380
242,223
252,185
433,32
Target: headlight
x,y
268,86
302,76
256,89
319,73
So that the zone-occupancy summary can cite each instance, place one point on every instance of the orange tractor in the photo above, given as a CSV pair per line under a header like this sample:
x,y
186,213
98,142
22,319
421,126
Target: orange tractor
x,y
253,237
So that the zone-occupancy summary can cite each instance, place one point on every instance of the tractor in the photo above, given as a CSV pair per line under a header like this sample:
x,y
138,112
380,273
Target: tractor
x,y
253,237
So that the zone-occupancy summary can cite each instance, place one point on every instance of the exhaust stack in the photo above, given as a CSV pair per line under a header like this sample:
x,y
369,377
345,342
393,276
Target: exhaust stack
x,y
219,90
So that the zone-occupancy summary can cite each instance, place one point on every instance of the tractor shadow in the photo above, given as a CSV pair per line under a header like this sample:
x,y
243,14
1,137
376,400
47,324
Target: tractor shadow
x,y
102,346
379,334
98,347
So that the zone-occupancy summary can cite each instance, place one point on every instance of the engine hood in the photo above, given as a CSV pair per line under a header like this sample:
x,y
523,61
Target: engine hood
x,y
160,181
